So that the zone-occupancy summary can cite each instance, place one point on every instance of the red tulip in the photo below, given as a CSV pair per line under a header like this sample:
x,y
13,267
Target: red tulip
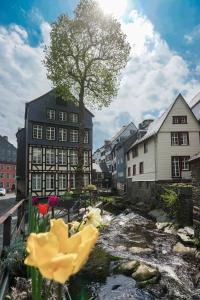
x,y
43,208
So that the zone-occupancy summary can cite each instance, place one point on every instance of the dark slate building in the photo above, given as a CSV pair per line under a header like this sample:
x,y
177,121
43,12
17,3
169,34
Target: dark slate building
x,y
7,164
47,146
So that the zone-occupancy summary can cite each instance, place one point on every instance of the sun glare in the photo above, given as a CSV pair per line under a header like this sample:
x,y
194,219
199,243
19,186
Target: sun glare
x,y
114,7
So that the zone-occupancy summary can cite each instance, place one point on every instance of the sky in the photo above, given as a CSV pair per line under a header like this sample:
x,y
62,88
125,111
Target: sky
x,y
164,60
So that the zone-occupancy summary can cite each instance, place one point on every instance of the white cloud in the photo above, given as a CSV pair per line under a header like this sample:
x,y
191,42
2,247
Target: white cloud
x,y
22,76
152,79
193,35
150,82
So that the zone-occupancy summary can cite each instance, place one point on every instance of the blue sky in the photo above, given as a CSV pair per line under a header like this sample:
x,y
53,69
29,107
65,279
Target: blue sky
x,y
165,40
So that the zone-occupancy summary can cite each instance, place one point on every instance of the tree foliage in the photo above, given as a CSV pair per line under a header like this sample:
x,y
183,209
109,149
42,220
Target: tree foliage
x,y
86,54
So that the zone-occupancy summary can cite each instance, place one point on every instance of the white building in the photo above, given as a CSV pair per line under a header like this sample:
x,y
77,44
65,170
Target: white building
x,y
162,154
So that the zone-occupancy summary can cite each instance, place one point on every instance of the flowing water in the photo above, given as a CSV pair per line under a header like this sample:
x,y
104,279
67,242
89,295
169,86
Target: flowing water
x,y
129,229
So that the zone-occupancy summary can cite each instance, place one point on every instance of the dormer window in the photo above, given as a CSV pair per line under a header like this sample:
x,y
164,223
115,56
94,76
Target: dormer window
x,y
62,116
179,119
51,113
73,117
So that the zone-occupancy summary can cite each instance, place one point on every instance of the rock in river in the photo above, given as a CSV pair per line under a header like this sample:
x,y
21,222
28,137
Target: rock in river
x,y
180,248
145,272
138,250
127,268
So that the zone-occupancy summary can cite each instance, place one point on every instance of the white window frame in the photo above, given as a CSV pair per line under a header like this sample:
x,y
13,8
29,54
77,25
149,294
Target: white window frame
x,y
37,155
62,115
86,179
73,117
72,181
185,164
50,133
62,157
37,185
51,114
86,158
62,181
37,131
73,157
86,137
62,134
73,136
50,182
176,167
50,156
184,138
175,139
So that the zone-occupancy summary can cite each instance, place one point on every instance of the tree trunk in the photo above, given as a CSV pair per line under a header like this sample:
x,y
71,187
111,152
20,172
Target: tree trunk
x,y
79,169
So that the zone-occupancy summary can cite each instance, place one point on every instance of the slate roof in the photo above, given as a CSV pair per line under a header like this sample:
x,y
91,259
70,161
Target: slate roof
x,y
196,156
195,100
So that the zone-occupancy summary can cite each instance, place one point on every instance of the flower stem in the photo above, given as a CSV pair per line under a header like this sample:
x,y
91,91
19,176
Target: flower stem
x,y
59,292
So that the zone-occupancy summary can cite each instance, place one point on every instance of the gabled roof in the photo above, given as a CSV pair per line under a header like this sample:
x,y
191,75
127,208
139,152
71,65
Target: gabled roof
x,y
195,100
121,131
155,126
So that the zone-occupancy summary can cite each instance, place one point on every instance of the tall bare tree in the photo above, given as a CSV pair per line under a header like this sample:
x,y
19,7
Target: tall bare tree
x,y
84,60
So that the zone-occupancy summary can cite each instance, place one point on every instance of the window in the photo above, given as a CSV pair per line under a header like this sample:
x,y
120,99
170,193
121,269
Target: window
x,y
7,175
145,147
50,156
7,185
62,157
50,182
129,171
37,131
37,156
73,118
2,165
51,114
36,182
135,152
179,119
141,167
73,157
134,170
13,175
128,155
85,180
179,163
62,116
13,167
8,167
86,137
179,138
62,134
50,133
86,158
1,175
72,181
73,136
62,181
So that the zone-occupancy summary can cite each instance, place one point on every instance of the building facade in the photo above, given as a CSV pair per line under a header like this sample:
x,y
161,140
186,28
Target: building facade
x,y
7,164
112,154
162,154
48,144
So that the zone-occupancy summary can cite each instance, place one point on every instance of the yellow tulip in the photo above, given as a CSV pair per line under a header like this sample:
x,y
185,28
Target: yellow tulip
x,y
56,255
93,216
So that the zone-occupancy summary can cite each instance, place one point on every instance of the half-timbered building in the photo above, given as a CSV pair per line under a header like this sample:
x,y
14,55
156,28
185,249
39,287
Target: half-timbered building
x,y
47,146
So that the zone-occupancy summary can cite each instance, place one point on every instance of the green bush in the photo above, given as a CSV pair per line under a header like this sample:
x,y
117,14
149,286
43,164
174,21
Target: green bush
x,y
171,200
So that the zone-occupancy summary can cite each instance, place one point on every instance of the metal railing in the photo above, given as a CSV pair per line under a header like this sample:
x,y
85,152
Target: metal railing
x,y
10,231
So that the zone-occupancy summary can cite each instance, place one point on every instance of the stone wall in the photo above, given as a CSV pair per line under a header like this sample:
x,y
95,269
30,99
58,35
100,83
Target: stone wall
x,y
195,168
148,196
